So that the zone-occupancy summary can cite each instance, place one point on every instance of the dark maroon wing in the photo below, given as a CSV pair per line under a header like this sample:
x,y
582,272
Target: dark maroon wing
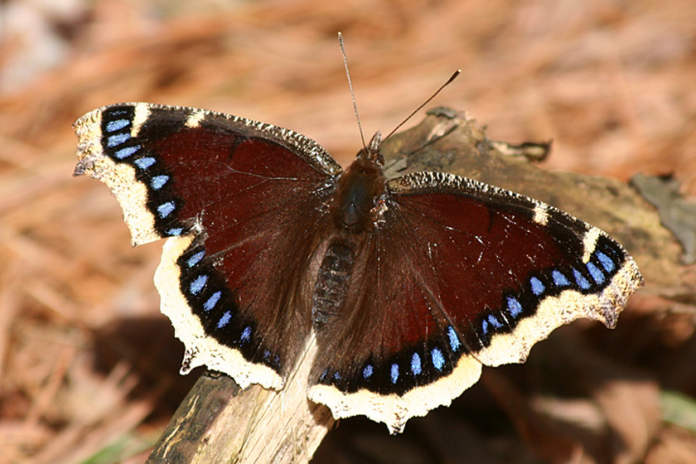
x,y
234,197
456,274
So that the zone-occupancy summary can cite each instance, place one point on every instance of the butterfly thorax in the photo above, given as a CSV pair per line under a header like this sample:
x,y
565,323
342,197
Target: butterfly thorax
x,y
358,193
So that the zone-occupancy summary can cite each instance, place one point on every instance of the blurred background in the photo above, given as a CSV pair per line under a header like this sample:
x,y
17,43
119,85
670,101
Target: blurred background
x,y
88,366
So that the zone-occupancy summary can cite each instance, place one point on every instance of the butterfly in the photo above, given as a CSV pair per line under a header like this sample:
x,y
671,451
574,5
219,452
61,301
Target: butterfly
x,y
409,285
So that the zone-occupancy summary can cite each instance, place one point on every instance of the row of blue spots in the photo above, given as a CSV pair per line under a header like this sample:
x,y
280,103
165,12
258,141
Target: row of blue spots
x,y
561,280
514,307
197,286
246,333
199,282
165,209
158,182
117,125
437,357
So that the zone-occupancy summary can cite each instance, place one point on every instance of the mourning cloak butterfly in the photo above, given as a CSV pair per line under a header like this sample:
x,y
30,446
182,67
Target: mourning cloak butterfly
x,y
409,284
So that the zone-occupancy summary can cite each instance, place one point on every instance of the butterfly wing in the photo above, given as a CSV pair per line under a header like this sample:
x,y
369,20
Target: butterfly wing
x,y
460,273
234,197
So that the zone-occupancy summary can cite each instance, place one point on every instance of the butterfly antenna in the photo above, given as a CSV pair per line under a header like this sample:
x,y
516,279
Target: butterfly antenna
x,y
352,94
449,81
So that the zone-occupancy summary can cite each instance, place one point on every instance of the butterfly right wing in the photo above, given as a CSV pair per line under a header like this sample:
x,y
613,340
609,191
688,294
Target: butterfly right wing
x,y
458,274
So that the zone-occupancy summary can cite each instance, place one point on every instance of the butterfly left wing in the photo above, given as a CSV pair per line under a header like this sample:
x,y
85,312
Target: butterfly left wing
x,y
235,198
459,274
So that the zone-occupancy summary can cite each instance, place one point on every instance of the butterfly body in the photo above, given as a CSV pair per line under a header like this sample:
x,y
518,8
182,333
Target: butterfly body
x,y
408,284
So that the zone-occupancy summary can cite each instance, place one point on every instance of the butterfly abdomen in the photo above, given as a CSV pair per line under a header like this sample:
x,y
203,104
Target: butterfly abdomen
x,y
332,284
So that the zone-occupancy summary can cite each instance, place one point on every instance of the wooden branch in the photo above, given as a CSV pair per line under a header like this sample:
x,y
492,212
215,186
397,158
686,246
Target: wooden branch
x,y
219,422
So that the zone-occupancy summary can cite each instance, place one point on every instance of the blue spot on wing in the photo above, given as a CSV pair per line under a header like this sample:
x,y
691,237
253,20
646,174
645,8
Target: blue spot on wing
x,y
559,278
165,209
580,279
113,126
596,274
126,152
513,306
368,371
394,373
454,342
144,163
606,261
246,334
198,283
195,259
537,286
438,359
158,182
224,320
175,232
416,367
212,301
115,140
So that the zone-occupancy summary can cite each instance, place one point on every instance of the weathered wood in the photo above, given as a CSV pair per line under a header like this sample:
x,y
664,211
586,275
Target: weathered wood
x,y
219,422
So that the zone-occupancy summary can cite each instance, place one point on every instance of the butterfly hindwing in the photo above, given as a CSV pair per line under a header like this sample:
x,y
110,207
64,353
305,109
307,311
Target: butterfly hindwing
x,y
234,197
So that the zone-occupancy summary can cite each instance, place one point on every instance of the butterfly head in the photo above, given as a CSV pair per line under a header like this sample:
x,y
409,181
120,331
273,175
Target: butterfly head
x,y
372,151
